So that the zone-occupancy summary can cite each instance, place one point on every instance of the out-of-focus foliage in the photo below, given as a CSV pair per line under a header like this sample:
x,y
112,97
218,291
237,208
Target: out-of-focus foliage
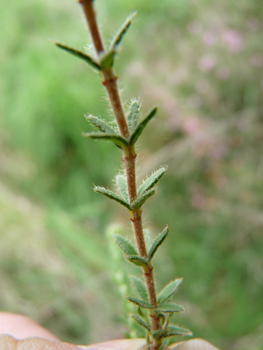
x,y
202,63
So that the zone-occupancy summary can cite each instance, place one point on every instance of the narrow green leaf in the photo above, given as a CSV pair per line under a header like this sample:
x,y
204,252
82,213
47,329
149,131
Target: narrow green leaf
x,y
88,59
157,242
140,303
151,180
173,330
140,312
140,127
169,308
159,334
122,186
101,124
125,245
107,59
112,195
132,115
115,138
123,29
139,287
147,239
139,201
168,290
137,260
141,322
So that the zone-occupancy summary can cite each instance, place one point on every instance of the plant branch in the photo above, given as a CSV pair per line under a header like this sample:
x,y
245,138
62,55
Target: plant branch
x,y
110,83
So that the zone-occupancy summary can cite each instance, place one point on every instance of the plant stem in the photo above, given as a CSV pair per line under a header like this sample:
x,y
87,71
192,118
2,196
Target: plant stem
x,y
129,155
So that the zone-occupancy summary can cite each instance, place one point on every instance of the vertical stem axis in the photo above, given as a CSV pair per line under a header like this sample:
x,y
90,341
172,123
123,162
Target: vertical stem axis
x,y
110,83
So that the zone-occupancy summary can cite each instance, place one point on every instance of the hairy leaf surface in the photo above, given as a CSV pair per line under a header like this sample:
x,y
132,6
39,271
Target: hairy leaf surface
x,y
137,260
157,242
168,290
141,303
140,127
111,195
141,322
115,138
88,59
151,180
140,200
101,124
169,308
121,32
125,245
122,186
132,115
139,287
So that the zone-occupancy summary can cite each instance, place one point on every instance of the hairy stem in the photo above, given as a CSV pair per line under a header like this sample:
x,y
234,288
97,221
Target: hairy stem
x,y
129,155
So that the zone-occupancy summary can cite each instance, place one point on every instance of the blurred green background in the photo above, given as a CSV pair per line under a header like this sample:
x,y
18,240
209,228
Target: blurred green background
x,y
202,64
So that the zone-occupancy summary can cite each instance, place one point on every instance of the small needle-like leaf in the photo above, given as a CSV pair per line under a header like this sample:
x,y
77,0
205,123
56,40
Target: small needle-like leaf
x,y
122,186
140,200
169,308
125,245
157,242
139,287
173,330
123,29
132,115
101,124
141,303
140,127
151,180
112,195
137,260
88,59
118,140
141,322
168,290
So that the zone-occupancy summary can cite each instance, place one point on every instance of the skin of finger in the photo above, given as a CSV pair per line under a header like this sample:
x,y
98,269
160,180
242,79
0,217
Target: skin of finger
x,y
7,342
193,344
121,344
21,327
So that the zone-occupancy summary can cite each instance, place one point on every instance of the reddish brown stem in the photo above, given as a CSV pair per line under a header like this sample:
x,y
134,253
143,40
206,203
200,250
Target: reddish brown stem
x,y
110,83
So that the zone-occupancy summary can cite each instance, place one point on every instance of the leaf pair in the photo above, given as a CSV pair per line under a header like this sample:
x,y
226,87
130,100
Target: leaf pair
x,y
144,192
109,134
106,60
171,331
131,252
136,204
164,295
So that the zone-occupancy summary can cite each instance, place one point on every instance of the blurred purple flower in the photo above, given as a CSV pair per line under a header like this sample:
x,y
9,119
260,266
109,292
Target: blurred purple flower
x,y
233,40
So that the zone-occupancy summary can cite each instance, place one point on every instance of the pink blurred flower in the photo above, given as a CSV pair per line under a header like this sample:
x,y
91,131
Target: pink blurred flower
x,y
233,40
206,63
192,126
209,39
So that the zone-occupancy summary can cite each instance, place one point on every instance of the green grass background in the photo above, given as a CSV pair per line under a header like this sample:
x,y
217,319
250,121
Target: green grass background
x,y
202,64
